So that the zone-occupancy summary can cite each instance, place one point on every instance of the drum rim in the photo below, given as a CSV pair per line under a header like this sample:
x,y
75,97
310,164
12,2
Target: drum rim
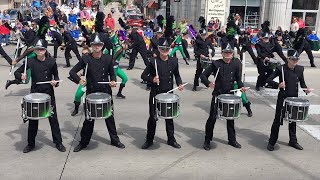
x,y
299,104
166,100
48,98
99,101
235,101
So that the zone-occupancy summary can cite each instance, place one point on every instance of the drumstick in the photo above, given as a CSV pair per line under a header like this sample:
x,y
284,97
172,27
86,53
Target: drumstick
x,y
283,78
307,89
108,82
176,88
15,56
156,66
25,68
215,77
47,82
239,89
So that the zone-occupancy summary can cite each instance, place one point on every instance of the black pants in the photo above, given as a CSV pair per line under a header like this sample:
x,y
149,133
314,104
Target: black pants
x,y
152,121
87,130
143,52
250,51
5,55
55,49
278,121
54,124
212,121
264,73
307,49
198,72
73,47
185,48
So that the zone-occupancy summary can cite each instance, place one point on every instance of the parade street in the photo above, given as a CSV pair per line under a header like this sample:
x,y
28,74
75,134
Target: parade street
x,y
100,160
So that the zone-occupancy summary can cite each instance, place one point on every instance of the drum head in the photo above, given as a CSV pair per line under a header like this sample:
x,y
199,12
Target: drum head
x,y
229,98
37,98
167,97
295,101
98,98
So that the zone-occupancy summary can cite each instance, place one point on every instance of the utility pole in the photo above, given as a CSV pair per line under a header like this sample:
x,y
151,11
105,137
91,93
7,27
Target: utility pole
x,y
167,8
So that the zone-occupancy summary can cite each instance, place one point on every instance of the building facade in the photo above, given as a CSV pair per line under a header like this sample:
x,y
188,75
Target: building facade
x,y
253,12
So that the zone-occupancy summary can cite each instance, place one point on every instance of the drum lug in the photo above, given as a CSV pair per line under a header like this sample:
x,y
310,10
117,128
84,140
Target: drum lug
x,y
87,114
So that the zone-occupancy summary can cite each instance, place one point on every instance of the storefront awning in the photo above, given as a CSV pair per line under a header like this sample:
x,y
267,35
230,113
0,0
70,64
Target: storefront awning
x,y
151,4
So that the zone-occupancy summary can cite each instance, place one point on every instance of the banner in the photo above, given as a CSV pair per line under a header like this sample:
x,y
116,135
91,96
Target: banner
x,y
216,9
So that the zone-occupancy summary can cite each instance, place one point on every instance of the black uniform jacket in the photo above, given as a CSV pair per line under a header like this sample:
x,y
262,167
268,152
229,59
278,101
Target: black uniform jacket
x,y
166,70
228,74
98,70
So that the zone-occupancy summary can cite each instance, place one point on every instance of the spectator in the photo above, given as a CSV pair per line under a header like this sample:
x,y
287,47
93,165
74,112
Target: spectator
x,y
49,13
69,26
35,3
94,12
294,25
27,14
279,31
109,21
210,24
84,14
75,32
35,14
1,15
53,5
64,18
88,3
4,34
72,18
6,16
217,25
313,36
91,23
301,23
18,25
238,20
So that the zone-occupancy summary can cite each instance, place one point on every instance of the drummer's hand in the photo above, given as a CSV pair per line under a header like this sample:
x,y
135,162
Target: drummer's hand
x,y
202,56
180,87
156,79
154,55
307,91
282,85
23,76
243,89
211,85
14,62
82,82
53,83
266,59
113,84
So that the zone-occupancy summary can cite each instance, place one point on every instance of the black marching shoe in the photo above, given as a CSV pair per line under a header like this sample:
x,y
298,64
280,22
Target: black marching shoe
x,y
76,109
235,144
296,146
28,148
247,106
146,145
120,95
257,88
118,144
10,82
174,144
270,147
186,61
313,65
129,68
79,147
60,147
194,88
206,145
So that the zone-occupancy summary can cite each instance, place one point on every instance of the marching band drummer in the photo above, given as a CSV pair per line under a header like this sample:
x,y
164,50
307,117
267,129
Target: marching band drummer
x,y
167,67
229,72
293,74
42,69
100,68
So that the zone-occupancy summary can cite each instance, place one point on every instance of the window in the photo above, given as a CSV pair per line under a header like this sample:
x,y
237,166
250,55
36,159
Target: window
x,y
305,4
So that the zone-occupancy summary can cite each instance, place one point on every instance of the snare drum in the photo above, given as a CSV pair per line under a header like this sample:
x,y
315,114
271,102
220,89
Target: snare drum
x,y
98,106
167,105
296,109
36,106
205,63
229,106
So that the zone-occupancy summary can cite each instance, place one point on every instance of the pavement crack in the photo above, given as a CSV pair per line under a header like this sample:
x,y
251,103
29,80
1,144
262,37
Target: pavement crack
x,y
174,163
74,137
